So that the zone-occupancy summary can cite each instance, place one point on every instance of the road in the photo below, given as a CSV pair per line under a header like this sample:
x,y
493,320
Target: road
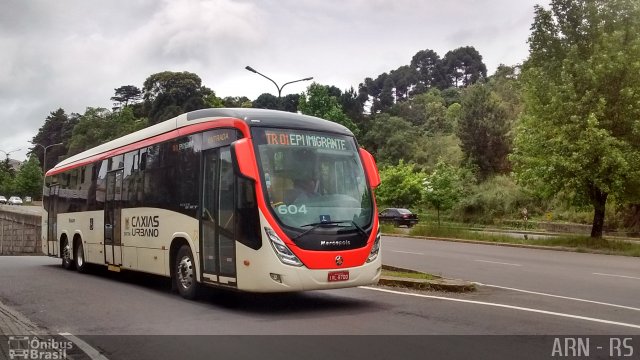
x,y
102,303
604,278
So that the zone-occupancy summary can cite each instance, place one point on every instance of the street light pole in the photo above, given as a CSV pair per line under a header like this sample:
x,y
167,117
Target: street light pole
x,y
9,152
274,83
44,157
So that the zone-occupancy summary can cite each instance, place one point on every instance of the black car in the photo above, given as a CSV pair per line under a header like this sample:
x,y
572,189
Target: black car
x,y
398,216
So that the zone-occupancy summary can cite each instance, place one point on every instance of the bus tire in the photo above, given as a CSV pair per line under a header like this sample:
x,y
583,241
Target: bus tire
x,y
185,273
67,263
81,264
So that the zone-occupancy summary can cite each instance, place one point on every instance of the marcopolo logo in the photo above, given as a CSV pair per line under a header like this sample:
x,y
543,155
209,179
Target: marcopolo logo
x,y
28,348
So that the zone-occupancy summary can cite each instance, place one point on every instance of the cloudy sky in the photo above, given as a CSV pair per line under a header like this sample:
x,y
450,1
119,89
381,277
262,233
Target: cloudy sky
x,y
72,54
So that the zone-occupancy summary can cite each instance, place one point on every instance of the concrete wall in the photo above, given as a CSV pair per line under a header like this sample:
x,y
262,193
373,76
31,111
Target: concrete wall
x,y
19,233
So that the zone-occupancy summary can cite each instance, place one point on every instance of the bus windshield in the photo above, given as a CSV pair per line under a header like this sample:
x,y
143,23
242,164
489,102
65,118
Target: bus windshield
x,y
313,178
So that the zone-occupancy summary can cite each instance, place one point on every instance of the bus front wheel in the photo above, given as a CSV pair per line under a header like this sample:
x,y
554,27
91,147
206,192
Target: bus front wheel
x,y
185,273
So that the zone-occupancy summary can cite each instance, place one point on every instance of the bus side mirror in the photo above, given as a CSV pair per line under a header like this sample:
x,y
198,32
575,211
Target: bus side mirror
x,y
245,159
370,168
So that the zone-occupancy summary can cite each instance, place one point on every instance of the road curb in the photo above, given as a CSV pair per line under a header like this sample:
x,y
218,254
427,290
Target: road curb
x,y
439,284
14,323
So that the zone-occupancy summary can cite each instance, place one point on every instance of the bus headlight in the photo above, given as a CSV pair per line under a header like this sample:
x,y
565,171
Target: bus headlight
x,y
284,254
375,249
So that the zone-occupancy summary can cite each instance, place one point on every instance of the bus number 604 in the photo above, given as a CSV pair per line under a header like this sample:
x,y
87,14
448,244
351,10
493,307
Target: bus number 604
x,y
292,209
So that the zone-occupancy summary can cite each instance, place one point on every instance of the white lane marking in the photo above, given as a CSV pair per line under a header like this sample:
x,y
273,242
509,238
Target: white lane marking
x,y
407,252
496,262
507,307
560,296
620,276
90,351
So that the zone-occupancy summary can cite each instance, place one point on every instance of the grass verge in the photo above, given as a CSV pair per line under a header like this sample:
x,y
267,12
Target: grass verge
x,y
577,242
409,275
390,229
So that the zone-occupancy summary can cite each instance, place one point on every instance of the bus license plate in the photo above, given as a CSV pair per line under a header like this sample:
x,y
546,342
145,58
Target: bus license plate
x,y
338,276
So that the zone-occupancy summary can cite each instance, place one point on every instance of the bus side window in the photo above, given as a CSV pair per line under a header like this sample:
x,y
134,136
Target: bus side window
x,y
247,219
101,184
143,161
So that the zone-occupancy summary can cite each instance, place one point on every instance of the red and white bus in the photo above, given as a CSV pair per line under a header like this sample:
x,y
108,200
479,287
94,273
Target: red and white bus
x,y
249,199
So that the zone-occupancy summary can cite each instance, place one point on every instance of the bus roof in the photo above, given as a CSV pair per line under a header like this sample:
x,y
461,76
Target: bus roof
x,y
252,118
270,118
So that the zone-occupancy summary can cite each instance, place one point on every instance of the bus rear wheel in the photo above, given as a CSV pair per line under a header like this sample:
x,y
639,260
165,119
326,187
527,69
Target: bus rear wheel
x,y
185,273
81,265
67,263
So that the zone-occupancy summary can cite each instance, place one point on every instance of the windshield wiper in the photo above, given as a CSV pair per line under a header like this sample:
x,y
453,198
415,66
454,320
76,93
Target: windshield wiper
x,y
315,226
326,223
361,230
318,224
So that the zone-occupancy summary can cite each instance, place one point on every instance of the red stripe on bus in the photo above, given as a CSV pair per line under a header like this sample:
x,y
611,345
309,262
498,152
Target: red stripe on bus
x,y
173,134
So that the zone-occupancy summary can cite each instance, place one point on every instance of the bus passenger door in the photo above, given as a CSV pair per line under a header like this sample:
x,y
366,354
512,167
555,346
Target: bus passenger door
x,y
112,210
217,222
52,216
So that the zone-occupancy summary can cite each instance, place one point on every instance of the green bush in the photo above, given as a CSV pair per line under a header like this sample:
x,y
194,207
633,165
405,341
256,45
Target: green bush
x,y
401,185
560,209
494,200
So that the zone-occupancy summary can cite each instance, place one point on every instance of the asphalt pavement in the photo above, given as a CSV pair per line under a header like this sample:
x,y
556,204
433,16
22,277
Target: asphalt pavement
x,y
131,303
532,292
604,278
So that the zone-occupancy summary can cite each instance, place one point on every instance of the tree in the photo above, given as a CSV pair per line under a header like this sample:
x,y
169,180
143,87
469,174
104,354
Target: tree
x,y
57,128
7,168
316,101
453,114
451,95
290,103
28,180
427,111
266,101
403,78
505,84
483,130
579,131
463,66
436,120
168,94
427,151
210,99
390,138
401,185
99,125
430,71
6,178
236,102
125,95
379,91
92,130
443,187
353,107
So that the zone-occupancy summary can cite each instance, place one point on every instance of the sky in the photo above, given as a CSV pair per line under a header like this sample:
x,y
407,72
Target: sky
x,y
72,54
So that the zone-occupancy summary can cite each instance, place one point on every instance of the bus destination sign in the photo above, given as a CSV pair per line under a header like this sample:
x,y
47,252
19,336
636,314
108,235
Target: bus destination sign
x,y
308,140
